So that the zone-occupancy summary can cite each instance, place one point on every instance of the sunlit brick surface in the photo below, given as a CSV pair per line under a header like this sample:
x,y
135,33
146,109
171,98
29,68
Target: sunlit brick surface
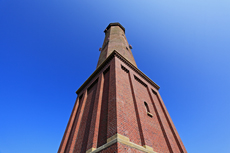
x,y
113,101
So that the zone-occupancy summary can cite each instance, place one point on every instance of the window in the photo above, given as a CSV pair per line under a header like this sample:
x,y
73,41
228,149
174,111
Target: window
x,y
147,109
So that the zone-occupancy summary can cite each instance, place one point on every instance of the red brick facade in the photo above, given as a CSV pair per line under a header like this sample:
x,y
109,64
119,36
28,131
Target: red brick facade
x,y
119,109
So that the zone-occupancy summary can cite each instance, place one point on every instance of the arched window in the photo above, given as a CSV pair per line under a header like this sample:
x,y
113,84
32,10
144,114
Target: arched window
x,y
147,109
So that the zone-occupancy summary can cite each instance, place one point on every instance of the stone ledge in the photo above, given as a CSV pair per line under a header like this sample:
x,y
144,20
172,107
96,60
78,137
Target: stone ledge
x,y
150,114
124,140
119,136
90,150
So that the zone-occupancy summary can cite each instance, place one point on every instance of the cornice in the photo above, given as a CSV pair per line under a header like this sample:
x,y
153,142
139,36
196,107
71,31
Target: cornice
x,y
95,73
118,55
136,69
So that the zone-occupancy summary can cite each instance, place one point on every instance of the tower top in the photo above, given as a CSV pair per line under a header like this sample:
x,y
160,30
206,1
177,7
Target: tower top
x,y
114,24
115,39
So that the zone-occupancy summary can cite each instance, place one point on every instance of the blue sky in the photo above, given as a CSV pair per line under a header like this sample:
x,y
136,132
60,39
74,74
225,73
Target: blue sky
x,y
48,48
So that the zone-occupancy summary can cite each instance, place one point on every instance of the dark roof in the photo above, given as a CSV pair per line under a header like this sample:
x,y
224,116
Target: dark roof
x,y
115,24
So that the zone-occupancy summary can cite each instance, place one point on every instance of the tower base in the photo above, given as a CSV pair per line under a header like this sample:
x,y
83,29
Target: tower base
x,y
120,143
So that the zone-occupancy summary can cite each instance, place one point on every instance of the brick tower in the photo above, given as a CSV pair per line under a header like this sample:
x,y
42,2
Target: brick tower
x,y
118,108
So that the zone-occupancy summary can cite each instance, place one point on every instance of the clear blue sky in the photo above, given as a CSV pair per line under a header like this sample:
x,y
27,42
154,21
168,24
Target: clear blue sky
x,y
48,48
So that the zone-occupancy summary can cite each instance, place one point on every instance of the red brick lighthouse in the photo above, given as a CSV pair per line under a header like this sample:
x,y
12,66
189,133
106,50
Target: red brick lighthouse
x,y
118,108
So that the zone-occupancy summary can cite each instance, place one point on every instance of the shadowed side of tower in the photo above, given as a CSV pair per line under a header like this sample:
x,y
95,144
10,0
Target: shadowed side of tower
x,y
118,108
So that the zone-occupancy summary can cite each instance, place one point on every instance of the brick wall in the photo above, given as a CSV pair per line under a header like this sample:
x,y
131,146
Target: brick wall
x,y
156,131
113,102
